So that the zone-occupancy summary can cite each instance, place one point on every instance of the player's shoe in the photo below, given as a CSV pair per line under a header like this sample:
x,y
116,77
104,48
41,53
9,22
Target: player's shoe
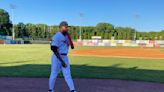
x,y
50,91
73,91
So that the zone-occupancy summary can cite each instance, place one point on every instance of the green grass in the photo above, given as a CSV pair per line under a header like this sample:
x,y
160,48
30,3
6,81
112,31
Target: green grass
x,y
34,61
162,50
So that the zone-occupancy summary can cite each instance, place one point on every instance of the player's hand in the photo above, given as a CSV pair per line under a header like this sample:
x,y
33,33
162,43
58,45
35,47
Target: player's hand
x,y
72,47
64,65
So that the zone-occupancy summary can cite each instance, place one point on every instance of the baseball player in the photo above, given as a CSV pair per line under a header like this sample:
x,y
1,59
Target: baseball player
x,y
60,45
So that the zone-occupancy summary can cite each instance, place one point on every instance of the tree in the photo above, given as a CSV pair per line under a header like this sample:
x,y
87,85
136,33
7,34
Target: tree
x,y
21,31
162,34
5,23
31,30
120,31
107,27
102,28
125,33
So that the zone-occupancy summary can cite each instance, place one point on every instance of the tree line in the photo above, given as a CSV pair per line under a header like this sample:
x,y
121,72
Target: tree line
x,y
31,31
105,30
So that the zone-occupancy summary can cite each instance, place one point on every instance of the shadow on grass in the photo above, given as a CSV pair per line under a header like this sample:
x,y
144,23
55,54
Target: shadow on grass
x,y
85,71
16,62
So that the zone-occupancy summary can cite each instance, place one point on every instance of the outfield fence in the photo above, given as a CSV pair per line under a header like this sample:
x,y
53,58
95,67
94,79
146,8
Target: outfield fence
x,y
24,42
121,43
11,42
110,43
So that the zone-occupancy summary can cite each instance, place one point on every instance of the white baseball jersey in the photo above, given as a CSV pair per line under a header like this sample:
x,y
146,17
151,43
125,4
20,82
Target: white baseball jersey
x,y
61,42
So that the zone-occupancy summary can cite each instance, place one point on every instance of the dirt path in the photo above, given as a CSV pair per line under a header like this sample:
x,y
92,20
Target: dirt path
x,y
147,53
82,85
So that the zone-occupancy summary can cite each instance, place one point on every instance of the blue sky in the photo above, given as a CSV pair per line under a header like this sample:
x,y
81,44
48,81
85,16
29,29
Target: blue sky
x,y
117,12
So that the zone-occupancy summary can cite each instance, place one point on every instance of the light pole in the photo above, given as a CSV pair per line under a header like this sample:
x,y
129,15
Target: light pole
x,y
49,31
81,16
12,6
136,17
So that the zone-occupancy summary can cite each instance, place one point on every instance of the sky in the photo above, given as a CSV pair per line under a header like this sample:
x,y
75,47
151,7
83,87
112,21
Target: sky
x,y
143,15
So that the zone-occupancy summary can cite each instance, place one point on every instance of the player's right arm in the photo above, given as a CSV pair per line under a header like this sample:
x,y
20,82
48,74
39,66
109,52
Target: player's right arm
x,y
54,48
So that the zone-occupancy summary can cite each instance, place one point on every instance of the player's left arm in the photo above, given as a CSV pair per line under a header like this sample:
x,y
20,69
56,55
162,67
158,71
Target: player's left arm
x,y
54,49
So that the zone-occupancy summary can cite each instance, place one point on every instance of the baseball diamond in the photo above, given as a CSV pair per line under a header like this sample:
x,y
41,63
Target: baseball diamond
x,y
81,46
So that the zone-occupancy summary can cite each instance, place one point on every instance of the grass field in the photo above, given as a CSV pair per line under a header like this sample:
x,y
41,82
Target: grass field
x,y
34,61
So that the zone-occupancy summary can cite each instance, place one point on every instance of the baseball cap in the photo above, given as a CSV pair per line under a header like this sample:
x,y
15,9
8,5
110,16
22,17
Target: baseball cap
x,y
63,23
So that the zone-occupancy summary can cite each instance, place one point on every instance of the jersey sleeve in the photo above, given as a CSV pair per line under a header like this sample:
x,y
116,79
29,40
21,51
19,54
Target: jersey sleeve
x,y
55,41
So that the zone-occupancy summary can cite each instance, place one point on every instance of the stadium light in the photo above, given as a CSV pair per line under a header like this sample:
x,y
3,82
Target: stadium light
x,y
49,30
136,17
81,16
13,6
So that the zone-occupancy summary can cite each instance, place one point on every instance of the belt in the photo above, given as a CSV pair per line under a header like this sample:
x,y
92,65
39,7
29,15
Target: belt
x,y
65,54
